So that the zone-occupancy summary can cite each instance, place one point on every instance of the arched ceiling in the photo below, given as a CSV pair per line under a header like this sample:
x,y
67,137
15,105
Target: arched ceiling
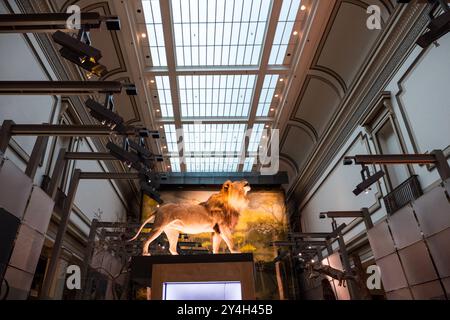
x,y
320,69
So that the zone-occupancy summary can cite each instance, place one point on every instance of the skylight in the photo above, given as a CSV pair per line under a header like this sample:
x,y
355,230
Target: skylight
x,y
175,164
213,138
219,32
171,138
284,30
155,33
216,96
164,97
267,94
212,164
248,164
204,80
255,137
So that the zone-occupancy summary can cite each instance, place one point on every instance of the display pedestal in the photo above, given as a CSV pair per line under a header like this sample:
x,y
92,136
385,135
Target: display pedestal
x,y
158,272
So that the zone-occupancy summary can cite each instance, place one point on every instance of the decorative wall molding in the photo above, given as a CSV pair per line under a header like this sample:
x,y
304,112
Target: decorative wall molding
x,y
391,51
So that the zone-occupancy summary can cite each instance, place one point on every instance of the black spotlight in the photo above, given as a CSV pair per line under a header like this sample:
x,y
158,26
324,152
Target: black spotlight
x,y
438,27
130,159
150,190
105,115
368,180
113,23
80,53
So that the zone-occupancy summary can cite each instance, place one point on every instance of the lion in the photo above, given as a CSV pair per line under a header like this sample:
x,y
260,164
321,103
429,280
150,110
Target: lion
x,y
218,215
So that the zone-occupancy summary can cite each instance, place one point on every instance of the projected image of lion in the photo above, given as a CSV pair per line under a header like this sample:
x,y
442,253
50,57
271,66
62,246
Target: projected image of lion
x,y
218,215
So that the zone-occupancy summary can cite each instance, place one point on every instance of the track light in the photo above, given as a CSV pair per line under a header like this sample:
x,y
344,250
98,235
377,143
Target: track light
x,y
368,180
438,27
112,23
143,152
105,115
149,190
79,51
131,159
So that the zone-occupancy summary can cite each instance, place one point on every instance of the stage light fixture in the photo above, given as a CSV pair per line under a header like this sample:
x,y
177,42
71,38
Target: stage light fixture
x,y
105,115
145,133
150,190
368,180
112,23
130,159
130,89
142,151
79,51
438,27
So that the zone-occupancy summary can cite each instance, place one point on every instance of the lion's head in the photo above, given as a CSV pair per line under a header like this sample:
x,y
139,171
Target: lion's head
x,y
235,193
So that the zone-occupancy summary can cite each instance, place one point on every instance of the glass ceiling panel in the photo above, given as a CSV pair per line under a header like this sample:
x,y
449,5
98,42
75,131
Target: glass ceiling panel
x,y
213,138
267,95
164,96
216,96
219,32
284,30
255,137
152,13
248,164
171,138
175,164
212,164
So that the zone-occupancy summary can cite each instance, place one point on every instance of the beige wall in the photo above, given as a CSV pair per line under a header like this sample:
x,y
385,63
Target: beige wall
x,y
22,59
422,86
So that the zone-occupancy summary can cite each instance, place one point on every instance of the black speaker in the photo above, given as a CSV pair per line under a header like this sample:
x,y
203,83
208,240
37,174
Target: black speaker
x,y
9,225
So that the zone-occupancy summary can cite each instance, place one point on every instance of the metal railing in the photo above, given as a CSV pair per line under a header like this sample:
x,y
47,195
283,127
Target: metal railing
x,y
406,192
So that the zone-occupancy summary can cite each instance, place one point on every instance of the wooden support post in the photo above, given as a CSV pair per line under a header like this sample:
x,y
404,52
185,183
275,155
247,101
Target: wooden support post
x,y
5,135
36,155
57,246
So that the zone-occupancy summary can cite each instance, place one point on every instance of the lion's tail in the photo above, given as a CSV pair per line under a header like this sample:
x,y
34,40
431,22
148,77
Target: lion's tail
x,y
142,227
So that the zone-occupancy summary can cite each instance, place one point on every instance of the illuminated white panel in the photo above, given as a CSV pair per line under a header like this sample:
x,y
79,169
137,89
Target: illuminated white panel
x,y
171,138
255,137
164,96
267,94
175,164
155,32
248,164
216,96
219,32
212,164
284,30
213,138
223,290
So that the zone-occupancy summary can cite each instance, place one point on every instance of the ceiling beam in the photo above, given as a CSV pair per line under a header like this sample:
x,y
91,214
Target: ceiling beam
x,y
172,73
267,48
216,70
211,120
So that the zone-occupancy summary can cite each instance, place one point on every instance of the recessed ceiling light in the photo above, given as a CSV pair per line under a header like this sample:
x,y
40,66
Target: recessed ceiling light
x,y
267,125
157,110
295,33
272,109
303,7
160,127
144,35
152,81
276,96
164,147
281,79
168,167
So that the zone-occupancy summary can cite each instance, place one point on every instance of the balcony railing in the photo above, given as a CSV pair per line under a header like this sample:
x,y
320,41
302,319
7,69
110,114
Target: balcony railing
x,y
406,192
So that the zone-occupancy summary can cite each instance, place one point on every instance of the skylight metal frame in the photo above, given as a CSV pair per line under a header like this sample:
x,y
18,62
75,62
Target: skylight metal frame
x,y
174,71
